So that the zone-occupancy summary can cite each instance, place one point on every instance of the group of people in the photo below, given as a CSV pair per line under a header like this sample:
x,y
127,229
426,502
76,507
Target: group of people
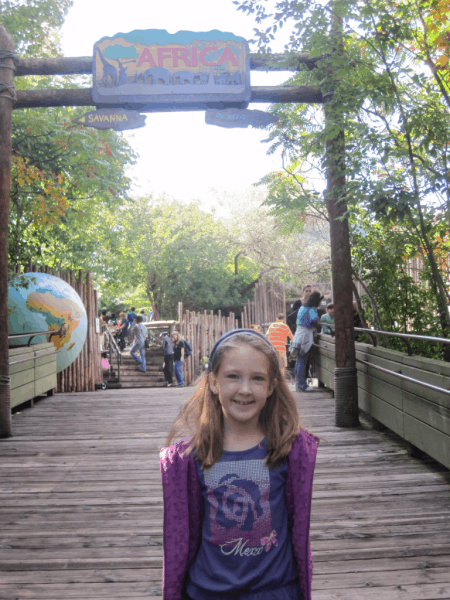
x,y
174,350
124,325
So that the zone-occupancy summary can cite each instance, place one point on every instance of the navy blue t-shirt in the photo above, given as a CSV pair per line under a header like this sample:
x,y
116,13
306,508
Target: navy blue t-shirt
x,y
245,549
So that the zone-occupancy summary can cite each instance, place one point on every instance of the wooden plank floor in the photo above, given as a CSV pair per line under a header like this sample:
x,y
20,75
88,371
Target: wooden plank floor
x,y
81,507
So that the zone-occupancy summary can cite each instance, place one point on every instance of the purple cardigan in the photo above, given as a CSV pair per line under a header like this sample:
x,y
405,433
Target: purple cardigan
x,y
182,503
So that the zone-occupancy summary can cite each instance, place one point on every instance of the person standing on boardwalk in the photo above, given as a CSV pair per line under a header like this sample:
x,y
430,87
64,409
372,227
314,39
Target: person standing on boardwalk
x,y
237,492
168,357
131,318
178,357
140,335
292,318
328,317
307,318
277,334
122,330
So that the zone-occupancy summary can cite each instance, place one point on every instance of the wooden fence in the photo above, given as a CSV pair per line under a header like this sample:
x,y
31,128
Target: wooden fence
x,y
417,413
263,310
86,370
202,330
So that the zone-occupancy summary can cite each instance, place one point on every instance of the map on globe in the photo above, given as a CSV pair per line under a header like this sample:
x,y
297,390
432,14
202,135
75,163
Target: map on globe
x,y
48,304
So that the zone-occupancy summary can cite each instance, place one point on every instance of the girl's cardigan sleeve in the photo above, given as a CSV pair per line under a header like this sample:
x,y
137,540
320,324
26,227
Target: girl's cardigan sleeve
x,y
301,462
182,501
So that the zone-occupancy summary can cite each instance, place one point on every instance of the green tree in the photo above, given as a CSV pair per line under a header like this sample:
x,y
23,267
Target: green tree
x,y
179,252
393,109
281,251
63,175
34,25
394,301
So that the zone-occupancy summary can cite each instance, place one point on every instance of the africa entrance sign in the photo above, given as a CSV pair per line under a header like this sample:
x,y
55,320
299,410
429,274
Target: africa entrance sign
x,y
112,118
153,65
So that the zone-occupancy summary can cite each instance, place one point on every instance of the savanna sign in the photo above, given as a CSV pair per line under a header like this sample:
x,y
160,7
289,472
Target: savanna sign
x,y
112,118
152,65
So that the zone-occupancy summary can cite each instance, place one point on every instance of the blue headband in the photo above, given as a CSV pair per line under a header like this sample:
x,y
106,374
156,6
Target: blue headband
x,y
230,334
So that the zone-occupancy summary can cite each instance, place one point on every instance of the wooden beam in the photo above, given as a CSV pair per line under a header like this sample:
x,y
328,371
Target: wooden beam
x,y
83,97
82,65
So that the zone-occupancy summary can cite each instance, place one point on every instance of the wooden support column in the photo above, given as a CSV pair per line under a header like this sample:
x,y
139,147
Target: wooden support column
x,y
7,96
345,375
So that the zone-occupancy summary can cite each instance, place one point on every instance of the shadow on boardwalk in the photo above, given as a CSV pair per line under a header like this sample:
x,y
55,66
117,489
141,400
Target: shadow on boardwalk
x,y
81,506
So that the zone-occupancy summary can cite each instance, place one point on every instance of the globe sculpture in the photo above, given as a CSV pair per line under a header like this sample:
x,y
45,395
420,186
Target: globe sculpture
x,y
48,304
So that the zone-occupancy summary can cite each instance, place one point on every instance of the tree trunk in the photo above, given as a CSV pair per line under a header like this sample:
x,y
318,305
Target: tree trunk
x,y
345,381
7,96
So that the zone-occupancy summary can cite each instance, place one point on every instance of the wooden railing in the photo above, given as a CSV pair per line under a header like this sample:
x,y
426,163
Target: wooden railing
x,y
408,394
113,350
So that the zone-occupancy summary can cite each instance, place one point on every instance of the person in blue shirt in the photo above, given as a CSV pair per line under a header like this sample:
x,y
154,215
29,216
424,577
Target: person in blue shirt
x,y
328,317
307,318
131,318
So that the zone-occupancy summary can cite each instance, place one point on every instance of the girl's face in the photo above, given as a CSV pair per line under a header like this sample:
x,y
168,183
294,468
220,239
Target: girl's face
x,y
243,386
307,293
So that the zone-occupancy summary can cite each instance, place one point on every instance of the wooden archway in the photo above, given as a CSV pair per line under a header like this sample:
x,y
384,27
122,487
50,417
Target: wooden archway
x,y
346,398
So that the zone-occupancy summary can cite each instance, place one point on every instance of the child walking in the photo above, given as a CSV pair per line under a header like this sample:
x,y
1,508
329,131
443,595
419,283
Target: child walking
x,y
237,492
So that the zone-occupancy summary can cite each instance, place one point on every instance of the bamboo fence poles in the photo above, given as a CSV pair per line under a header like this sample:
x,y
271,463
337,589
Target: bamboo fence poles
x,y
85,373
203,329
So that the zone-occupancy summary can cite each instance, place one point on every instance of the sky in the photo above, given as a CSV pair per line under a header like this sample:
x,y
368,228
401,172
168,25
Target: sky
x,y
179,154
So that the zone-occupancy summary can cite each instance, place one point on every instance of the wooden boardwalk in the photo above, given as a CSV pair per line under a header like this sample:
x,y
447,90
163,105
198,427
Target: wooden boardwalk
x,y
81,508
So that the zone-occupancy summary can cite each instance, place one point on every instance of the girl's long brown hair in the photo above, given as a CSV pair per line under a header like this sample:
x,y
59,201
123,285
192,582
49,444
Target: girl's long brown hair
x,y
201,415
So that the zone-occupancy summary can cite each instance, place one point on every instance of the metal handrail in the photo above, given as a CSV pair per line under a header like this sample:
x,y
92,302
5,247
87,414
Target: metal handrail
x,y
113,347
405,377
372,333
16,362
50,333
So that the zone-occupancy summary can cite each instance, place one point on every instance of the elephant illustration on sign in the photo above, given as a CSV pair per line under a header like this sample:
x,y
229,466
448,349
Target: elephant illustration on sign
x,y
234,79
109,70
203,77
226,78
155,73
183,76
222,78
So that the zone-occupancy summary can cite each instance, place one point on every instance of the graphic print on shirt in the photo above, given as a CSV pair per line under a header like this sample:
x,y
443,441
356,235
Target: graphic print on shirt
x,y
240,516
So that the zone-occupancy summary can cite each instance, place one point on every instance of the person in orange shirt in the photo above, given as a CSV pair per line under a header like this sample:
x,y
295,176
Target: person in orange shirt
x,y
277,334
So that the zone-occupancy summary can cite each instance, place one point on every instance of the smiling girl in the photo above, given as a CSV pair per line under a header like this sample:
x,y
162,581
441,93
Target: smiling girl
x,y
237,492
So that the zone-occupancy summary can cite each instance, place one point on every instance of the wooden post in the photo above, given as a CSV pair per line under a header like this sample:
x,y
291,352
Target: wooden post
x,y
345,374
7,97
89,328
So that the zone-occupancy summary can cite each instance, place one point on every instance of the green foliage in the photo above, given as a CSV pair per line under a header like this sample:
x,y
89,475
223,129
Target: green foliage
x,y
63,175
381,70
56,224
179,252
395,301
34,25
